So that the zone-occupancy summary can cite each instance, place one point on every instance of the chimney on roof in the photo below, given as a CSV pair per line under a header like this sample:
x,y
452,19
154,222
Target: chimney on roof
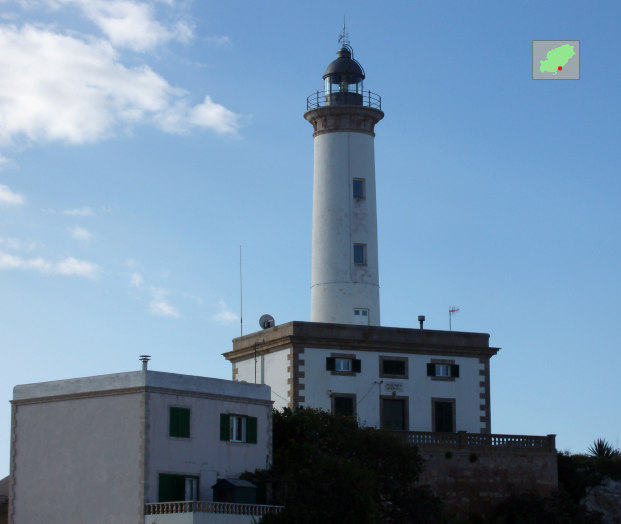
x,y
421,319
145,361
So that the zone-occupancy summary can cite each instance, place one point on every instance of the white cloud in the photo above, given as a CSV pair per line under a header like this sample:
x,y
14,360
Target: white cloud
x,y
136,280
9,197
14,244
130,24
79,233
160,306
218,40
68,267
225,315
79,211
58,87
212,115
72,266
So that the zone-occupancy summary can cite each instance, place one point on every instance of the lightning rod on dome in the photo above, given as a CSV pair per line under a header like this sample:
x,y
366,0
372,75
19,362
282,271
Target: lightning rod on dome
x,y
344,35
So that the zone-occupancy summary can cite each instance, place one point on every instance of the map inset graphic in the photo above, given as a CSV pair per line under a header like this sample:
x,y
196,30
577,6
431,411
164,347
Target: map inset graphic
x,y
556,59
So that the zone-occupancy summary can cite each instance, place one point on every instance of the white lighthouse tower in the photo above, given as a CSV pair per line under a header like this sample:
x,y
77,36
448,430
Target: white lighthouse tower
x,y
345,277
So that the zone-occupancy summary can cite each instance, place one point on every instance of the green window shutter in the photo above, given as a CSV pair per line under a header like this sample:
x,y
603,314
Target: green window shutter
x,y
225,427
179,423
329,364
251,430
455,370
431,370
171,488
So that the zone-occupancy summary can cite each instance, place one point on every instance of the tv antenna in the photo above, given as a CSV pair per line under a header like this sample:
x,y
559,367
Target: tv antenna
x,y
452,311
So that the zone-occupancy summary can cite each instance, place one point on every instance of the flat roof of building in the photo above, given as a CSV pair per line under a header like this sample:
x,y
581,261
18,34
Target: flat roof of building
x,y
137,379
361,338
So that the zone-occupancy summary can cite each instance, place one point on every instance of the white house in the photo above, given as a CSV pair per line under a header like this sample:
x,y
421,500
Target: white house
x,y
98,449
391,378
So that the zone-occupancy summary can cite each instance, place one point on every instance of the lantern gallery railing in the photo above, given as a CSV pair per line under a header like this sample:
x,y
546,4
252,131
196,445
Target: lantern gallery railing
x,y
465,440
322,98
199,506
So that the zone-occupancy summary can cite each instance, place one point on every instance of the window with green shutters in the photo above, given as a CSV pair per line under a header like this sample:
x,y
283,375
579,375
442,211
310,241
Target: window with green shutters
x,y
174,488
442,370
238,428
179,422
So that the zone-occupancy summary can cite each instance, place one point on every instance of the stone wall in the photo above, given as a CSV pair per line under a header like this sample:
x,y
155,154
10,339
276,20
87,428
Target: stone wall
x,y
476,480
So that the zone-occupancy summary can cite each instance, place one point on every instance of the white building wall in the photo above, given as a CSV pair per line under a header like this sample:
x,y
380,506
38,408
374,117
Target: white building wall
x,y
272,370
337,284
368,386
78,461
90,449
203,454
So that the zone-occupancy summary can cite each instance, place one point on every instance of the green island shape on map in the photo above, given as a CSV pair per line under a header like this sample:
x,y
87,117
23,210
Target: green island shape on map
x,y
559,56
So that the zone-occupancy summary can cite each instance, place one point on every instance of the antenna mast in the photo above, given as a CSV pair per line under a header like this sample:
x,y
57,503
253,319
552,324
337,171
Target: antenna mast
x,y
241,296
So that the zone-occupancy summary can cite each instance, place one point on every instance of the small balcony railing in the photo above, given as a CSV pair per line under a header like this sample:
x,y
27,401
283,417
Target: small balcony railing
x,y
322,98
199,506
465,440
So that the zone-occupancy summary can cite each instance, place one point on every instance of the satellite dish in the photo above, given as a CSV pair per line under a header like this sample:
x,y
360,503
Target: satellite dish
x,y
266,321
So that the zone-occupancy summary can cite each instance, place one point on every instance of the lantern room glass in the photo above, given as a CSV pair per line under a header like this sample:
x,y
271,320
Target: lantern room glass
x,y
343,84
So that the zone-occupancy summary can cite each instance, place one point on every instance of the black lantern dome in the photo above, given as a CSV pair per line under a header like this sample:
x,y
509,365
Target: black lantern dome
x,y
343,79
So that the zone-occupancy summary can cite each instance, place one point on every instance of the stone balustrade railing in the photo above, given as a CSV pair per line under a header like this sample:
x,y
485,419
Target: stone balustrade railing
x,y
463,439
199,506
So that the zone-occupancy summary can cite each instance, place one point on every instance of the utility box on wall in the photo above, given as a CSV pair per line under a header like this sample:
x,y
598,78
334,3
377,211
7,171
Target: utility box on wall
x,y
234,490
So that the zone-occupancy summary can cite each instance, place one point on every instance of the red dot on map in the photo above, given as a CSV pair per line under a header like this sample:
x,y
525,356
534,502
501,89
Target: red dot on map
x,y
560,68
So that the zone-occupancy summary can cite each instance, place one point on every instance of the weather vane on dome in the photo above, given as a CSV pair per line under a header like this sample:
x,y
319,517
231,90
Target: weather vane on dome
x,y
344,36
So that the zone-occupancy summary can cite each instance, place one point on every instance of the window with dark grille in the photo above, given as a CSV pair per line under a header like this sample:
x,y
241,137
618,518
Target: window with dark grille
x,y
179,422
395,368
343,405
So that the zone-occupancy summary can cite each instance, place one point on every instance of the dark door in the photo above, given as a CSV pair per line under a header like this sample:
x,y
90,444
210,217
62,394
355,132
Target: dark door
x,y
444,417
393,414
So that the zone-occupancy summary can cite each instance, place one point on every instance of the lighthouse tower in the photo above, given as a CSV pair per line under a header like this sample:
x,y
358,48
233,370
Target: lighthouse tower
x,y
345,279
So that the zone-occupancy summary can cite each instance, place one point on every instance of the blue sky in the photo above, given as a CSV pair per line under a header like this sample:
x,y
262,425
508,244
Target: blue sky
x,y
141,143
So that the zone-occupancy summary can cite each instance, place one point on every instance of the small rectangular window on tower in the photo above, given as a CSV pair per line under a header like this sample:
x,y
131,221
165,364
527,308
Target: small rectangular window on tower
x,y
361,316
360,254
359,188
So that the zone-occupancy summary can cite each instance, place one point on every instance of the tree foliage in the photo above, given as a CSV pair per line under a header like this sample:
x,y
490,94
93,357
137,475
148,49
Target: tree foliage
x,y
557,508
603,449
328,469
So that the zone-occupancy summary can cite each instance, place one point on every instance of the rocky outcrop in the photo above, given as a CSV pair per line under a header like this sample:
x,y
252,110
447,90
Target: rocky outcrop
x,y
606,498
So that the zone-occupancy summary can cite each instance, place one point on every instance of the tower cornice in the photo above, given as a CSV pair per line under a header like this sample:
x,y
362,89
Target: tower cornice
x,y
330,119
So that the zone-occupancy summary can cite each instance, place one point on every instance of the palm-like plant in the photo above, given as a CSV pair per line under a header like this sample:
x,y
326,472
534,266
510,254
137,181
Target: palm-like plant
x,y
603,448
